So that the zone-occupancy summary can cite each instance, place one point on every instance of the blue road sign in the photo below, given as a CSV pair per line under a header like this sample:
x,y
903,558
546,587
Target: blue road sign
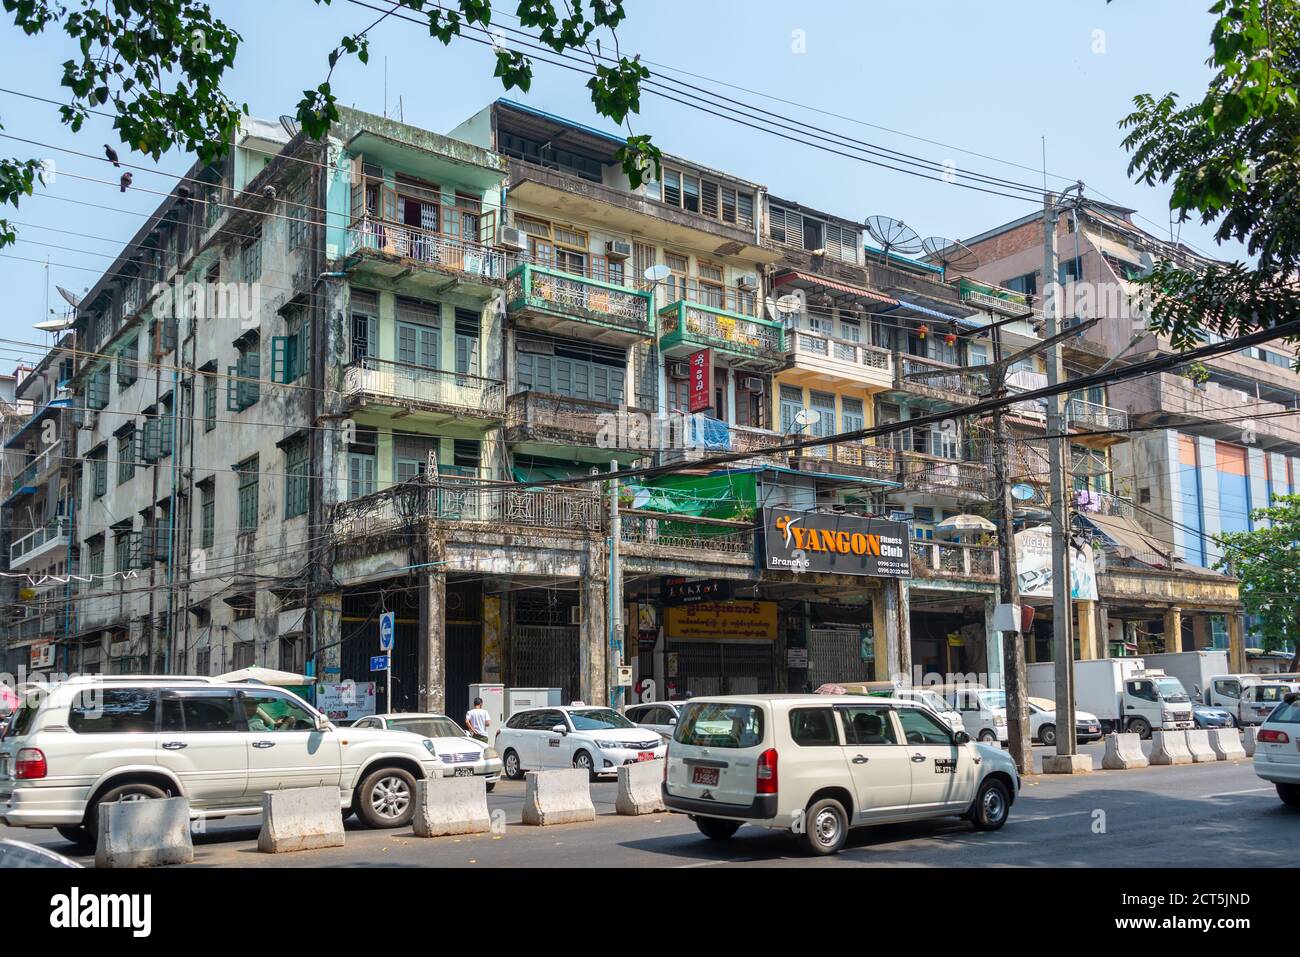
x,y
379,663
387,630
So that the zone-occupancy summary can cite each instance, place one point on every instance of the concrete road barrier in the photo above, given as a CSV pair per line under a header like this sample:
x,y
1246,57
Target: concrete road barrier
x,y
639,790
453,805
1123,752
1170,747
1248,736
1198,745
558,797
144,833
300,819
1226,743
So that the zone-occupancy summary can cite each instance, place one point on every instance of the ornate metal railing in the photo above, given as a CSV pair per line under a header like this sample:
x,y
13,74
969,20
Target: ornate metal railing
x,y
565,294
855,458
433,249
419,384
841,350
1081,413
966,381
953,560
680,531
685,322
927,473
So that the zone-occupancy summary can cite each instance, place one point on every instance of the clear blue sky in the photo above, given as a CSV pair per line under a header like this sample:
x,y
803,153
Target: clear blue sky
x,y
990,77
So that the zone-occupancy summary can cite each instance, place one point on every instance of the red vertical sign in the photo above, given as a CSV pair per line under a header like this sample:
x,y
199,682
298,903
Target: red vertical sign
x,y
701,373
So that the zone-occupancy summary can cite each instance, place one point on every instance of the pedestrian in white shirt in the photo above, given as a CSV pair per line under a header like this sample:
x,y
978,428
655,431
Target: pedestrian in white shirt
x,y
478,720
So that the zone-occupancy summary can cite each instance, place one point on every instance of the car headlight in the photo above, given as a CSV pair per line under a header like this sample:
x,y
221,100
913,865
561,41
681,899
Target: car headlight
x,y
428,746
489,754
999,721
611,744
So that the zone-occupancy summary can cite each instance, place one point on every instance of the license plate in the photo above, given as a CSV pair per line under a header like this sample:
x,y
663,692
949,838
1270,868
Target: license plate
x,y
645,756
463,773
705,776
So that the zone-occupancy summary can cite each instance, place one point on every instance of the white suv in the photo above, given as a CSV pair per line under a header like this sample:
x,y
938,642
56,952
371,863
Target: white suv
x,y
76,745
821,764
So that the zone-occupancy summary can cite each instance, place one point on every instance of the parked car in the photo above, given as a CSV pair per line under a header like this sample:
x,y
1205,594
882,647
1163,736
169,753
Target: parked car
x,y
1258,701
983,711
596,739
97,739
463,754
1209,716
1277,749
818,765
657,716
1042,722
925,696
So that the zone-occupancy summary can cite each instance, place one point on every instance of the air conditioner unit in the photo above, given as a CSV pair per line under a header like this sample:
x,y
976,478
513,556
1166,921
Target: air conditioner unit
x,y
748,281
512,238
575,615
751,383
618,249
679,370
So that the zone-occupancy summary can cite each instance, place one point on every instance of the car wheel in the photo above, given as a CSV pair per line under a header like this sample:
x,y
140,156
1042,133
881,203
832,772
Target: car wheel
x,y
1231,722
1290,794
992,802
76,835
582,761
1141,727
386,798
1047,734
715,829
489,785
123,792
986,736
826,826
514,771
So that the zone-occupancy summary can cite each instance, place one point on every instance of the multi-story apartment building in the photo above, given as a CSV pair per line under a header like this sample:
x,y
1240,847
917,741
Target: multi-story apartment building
x,y
1193,464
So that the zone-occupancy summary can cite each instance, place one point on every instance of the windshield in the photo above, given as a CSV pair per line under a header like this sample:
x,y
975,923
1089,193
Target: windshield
x,y
428,727
994,699
933,702
720,724
598,719
1171,689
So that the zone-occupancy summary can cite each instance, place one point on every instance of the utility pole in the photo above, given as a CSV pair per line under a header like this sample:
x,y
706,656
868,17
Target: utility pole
x,y
614,611
1014,679
1067,759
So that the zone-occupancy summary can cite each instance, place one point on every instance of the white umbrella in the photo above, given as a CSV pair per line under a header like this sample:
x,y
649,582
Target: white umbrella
x,y
266,676
964,525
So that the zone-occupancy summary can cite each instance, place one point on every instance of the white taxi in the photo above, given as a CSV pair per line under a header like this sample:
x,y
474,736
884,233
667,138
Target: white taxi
x,y
595,739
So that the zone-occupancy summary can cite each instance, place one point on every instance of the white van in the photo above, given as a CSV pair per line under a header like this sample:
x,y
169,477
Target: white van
x,y
983,711
818,765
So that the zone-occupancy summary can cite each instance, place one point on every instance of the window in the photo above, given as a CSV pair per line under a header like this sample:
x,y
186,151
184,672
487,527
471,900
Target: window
x,y
1071,270
706,197
122,537
465,454
1146,690
411,454
868,726
95,559
919,727
298,217
852,418
128,362
207,512
813,727
245,655
293,654
268,711
365,313
467,335
290,353
244,385
247,496
250,257
720,725
114,711
1027,284
785,226
209,400
417,333
200,712
362,462
98,471
295,477
203,661
97,389
791,406
126,455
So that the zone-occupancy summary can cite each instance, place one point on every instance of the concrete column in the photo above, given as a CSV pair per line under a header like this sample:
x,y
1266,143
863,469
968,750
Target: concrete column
x,y
432,691
593,637
1031,646
1086,612
328,638
1202,637
889,640
905,627
1236,642
1103,631
992,645
1173,629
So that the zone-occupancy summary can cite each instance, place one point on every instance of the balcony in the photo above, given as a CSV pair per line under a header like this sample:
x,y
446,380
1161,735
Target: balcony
x,y
1093,416
1173,400
927,473
550,300
39,545
678,533
427,261
686,327
849,458
953,560
982,295
38,469
831,362
940,382
432,395
538,422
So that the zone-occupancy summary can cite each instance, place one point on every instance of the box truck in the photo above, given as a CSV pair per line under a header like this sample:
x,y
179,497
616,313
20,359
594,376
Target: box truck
x,y
1193,668
1122,692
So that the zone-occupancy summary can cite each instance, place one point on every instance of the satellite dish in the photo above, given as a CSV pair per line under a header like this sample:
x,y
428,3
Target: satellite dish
x,y
893,235
54,325
950,254
290,125
657,273
1022,492
789,304
70,297
807,417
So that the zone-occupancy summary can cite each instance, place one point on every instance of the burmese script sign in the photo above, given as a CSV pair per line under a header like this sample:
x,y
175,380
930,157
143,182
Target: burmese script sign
x,y
722,621
834,543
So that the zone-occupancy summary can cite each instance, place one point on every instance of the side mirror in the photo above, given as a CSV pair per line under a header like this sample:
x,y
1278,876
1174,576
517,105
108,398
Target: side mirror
x,y
672,722
323,723
559,729
961,737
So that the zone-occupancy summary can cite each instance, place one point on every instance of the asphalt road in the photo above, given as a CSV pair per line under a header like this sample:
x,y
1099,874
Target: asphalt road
x,y
1197,815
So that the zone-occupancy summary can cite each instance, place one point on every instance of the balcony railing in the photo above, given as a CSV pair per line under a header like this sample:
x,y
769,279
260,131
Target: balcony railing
x,y
926,473
558,419
739,302
856,354
24,547
52,457
917,371
676,532
852,458
1081,413
1008,302
450,253
570,296
953,560
692,324
421,386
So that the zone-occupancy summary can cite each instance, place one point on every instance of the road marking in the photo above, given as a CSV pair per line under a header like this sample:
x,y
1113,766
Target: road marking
x,y
737,860
1046,817
1225,794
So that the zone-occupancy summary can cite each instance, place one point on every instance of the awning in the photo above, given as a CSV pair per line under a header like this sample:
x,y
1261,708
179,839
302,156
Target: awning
x,y
966,321
550,473
813,279
1131,538
54,405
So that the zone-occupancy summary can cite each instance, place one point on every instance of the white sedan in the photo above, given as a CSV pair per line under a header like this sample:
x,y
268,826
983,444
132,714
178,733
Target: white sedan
x,y
464,756
596,739
1277,749
1042,722
658,716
